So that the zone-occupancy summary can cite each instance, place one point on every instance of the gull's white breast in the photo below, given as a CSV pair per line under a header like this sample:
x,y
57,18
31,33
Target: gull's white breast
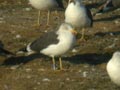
x,y
76,15
43,4
113,69
67,40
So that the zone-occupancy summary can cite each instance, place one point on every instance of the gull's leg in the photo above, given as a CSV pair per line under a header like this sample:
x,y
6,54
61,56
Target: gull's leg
x,y
48,18
56,12
53,61
83,35
60,62
38,22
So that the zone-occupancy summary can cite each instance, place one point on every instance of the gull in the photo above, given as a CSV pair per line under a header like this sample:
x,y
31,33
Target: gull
x,y
54,43
46,5
113,68
78,15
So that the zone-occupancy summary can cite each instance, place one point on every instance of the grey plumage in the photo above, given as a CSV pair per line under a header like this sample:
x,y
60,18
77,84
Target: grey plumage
x,y
89,15
55,43
44,41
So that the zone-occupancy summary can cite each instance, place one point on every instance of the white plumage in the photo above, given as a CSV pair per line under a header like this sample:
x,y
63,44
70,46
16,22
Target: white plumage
x,y
66,42
46,5
75,14
113,68
43,4
78,15
54,43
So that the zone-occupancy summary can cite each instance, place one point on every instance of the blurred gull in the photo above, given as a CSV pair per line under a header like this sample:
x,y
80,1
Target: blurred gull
x,y
113,68
46,5
78,15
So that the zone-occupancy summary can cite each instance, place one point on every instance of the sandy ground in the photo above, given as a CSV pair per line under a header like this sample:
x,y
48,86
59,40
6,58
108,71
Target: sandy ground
x,y
85,69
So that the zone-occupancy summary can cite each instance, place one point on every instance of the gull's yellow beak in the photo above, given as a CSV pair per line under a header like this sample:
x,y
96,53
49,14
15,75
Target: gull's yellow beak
x,y
74,32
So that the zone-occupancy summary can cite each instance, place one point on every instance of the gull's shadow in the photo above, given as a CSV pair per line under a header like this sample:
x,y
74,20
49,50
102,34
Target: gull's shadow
x,y
108,18
93,59
21,59
76,59
1,44
101,34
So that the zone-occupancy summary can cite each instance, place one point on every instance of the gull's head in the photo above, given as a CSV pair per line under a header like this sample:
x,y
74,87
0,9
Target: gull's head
x,y
116,56
74,1
65,27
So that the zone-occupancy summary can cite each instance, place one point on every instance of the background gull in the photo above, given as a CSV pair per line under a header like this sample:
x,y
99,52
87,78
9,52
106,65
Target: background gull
x,y
108,6
78,15
113,68
54,43
46,5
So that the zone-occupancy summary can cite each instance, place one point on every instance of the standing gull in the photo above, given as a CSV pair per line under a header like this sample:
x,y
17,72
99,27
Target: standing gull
x,y
46,5
55,43
78,15
113,68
